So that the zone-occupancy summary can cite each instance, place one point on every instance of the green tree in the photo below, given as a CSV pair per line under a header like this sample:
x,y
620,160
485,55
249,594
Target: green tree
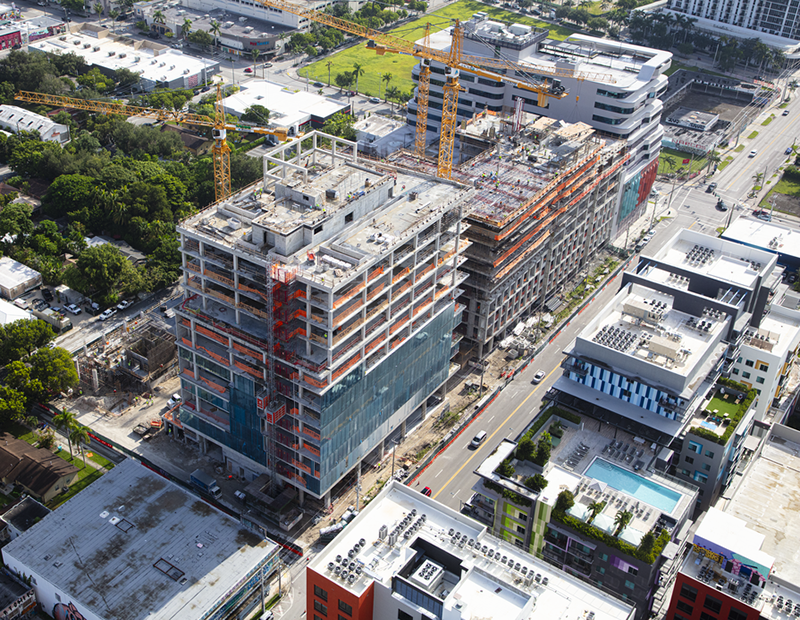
x,y
98,8
686,48
15,220
621,520
113,14
254,54
543,449
595,508
386,78
526,449
344,80
159,19
126,77
104,272
23,337
66,422
201,38
12,404
647,543
565,501
505,469
358,71
79,435
186,28
256,114
341,125
68,193
55,369
536,483
214,29
329,64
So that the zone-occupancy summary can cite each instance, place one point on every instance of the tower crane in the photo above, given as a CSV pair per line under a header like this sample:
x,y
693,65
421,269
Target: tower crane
x,y
219,126
454,62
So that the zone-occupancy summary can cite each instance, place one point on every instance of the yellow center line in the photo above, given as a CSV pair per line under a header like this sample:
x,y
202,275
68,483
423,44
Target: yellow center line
x,y
489,438
780,135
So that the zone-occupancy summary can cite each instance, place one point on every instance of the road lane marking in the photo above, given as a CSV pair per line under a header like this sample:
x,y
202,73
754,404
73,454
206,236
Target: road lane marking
x,y
490,419
747,168
489,438
440,472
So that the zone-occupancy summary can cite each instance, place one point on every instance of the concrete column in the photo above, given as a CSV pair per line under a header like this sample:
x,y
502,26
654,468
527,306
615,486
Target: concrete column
x,y
302,496
402,430
382,446
424,408
326,499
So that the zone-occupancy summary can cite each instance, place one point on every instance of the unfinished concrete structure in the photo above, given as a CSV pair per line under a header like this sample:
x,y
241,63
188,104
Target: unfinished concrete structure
x,y
544,203
319,313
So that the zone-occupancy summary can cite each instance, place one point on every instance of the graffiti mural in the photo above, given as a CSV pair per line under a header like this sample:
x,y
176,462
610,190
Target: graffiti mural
x,y
64,612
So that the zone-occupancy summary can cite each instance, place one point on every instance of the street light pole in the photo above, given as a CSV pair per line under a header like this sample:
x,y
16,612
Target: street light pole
x,y
394,447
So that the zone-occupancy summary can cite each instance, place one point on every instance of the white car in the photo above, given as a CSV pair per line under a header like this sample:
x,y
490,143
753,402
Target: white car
x,y
124,304
753,153
175,400
537,378
107,314
73,309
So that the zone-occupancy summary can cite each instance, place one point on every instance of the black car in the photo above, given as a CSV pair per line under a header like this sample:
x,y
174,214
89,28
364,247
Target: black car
x,y
722,206
711,187
47,294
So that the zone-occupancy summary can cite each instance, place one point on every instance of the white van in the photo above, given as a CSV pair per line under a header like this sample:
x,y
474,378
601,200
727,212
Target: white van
x,y
478,439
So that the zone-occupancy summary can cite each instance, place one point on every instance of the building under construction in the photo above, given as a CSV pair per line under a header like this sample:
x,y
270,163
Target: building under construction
x,y
319,312
131,358
544,202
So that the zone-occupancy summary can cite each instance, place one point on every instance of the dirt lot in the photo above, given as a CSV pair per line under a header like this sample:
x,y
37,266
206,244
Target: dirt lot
x,y
786,204
727,110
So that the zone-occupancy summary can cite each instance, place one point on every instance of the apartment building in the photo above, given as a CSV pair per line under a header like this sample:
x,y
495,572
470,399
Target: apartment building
x,y
632,563
614,87
319,312
407,557
653,361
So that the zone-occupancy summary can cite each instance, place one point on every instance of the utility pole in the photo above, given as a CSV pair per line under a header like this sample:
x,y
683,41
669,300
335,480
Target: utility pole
x,y
358,486
655,208
394,447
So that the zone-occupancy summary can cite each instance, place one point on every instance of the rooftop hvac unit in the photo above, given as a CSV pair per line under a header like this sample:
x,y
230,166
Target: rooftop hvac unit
x,y
392,539
242,20
86,46
137,58
96,48
64,38
123,55
76,42
382,532
112,53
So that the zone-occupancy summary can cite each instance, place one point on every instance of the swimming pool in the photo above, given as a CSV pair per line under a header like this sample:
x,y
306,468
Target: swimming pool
x,y
634,485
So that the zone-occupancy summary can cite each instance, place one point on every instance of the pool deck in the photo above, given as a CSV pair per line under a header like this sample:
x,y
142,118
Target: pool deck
x,y
591,442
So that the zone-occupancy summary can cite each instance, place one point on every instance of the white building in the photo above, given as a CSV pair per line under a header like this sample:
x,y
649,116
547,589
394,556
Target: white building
x,y
615,89
767,355
16,278
10,313
16,119
157,65
296,110
407,556
134,545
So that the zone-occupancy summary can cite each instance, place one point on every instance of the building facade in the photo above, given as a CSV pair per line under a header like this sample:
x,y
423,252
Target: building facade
x,y
613,87
356,273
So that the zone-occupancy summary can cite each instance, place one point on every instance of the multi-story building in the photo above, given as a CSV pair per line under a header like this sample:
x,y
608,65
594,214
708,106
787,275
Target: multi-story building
x,y
775,23
543,205
407,557
650,361
319,314
613,87
586,545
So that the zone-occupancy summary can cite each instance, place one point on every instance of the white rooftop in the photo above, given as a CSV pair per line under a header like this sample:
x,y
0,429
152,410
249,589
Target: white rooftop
x,y
10,313
768,236
13,273
480,587
288,108
18,119
155,63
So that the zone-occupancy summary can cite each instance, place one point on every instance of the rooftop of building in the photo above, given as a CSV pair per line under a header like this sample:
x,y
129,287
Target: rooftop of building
x,y
21,119
11,590
154,62
771,237
777,333
10,313
231,24
158,551
37,469
511,177
329,194
621,65
728,261
688,115
25,514
378,126
288,107
481,576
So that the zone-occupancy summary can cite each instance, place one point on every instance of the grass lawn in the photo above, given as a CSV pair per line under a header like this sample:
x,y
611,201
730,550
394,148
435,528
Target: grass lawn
x,y
769,120
753,136
676,65
783,105
696,163
725,406
725,164
400,66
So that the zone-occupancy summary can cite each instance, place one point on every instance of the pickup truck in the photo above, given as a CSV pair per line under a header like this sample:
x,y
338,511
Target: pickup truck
x,y
145,431
205,483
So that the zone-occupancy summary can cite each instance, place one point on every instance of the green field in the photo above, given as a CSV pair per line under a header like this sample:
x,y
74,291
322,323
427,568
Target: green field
x,y
400,66
696,163
676,65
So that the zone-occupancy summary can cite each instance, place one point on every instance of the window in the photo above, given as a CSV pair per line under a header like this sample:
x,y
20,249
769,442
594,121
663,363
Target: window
x,y
632,570
698,477
759,379
601,570
749,363
629,584
707,616
316,617
688,459
745,375
763,367
319,592
345,608
318,230
604,557
348,218
679,617
341,617
520,529
685,607
712,604
401,615
706,467
688,592
736,371
736,614
709,454
695,447
323,609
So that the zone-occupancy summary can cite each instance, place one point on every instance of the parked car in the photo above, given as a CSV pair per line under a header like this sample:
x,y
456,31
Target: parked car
x,y
267,65
47,294
788,150
537,378
73,309
318,84
124,304
766,217
107,314
478,439
722,206
374,100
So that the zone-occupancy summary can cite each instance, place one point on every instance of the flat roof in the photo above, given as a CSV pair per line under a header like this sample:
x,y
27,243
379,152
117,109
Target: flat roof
x,y
482,587
778,332
103,545
10,313
770,237
230,24
13,273
154,62
288,107
378,125
21,119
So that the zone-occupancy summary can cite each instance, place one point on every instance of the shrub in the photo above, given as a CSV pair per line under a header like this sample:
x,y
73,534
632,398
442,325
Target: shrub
x,y
536,483
505,469
543,450
526,449
565,501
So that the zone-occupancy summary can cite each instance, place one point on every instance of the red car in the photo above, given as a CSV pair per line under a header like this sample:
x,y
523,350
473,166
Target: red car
x,y
426,491
248,69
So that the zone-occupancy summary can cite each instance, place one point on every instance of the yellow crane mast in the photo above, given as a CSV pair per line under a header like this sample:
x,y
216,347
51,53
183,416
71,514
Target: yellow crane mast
x,y
220,126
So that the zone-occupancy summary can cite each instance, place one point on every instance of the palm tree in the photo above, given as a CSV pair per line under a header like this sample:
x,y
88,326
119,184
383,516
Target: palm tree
x,y
186,28
392,93
595,508
670,162
66,421
98,8
386,77
213,30
621,520
79,435
358,71
757,180
254,54
158,18
713,159
329,64
113,14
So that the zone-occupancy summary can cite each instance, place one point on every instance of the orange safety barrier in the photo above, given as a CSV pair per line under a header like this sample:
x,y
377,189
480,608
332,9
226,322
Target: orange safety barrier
x,y
193,267
219,358
301,465
248,369
396,342
401,275
252,310
207,332
422,273
188,373
315,382
398,325
243,287
228,300
311,449
219,388
347,331
374,344
219,278
347,366
311,433
294,411
186,322
401,290
316,475
187,342
375,272
250,353
347,313
348,295
377,290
